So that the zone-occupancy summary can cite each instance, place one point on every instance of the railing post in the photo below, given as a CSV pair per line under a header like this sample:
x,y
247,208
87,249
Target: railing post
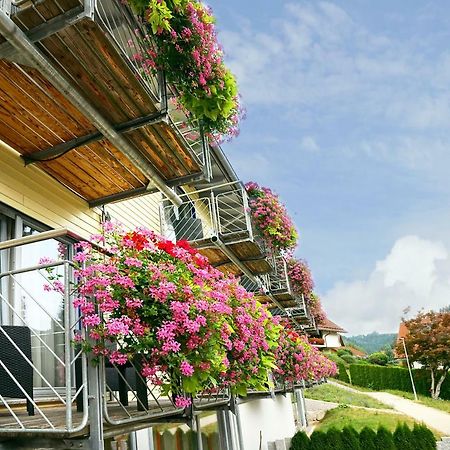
x,y
301,409
67,344
95,406
247,213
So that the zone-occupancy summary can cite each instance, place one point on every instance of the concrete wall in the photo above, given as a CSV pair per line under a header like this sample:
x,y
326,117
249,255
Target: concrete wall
x,y
274,418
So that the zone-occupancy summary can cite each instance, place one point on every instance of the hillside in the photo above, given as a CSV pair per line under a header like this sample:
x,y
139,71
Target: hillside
x,y
372,342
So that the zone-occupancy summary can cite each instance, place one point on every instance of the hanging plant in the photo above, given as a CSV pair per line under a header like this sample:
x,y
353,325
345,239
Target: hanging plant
x,y
298,361
315,308
192,328
300,277
187,50
271,219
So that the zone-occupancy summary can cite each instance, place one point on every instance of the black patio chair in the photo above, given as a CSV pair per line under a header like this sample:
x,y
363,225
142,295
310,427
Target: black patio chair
x,y
16,364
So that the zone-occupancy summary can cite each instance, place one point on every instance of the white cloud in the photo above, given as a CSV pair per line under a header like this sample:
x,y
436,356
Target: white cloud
x,y
309,144
414,274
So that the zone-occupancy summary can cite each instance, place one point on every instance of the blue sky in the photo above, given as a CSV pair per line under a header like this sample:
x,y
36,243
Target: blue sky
x,y
348,118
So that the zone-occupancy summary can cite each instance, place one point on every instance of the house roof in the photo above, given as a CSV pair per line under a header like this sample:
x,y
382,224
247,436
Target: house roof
x,y
402,331
328,325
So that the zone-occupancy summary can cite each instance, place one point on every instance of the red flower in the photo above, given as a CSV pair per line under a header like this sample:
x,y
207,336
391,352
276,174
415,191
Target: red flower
x,y
139,240
167,246
186,246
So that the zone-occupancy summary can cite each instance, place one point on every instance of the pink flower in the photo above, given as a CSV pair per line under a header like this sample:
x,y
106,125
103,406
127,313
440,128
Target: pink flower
x,y
182,402
186,369
91,320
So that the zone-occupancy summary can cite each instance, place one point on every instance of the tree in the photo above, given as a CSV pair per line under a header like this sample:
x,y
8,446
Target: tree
x,y
385,439
367,439
350,439
424,437
427,343
300,441
378,358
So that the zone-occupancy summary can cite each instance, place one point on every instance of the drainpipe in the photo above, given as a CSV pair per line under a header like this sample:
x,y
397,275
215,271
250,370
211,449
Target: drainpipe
x,y
25,47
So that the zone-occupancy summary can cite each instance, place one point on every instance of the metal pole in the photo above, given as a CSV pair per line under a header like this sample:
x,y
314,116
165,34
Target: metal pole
x,y
409,368
198,430
239,426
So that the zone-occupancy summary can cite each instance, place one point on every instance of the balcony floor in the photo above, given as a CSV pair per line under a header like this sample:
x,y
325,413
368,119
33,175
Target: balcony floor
x,y
55,413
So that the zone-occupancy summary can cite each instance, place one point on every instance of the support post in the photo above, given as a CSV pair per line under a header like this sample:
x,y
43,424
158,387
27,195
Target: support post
x,y
226,441
237,414
95,407
301,410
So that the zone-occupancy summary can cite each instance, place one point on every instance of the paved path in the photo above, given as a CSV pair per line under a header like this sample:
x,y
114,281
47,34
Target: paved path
x,y
435,418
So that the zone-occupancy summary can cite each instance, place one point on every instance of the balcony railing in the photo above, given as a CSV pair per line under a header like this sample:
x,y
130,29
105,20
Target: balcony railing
x,y
47,385
218,222
93,115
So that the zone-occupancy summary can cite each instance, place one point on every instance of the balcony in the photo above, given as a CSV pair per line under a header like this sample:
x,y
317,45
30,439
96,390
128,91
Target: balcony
x,y
280,286
217,222
78,101
48,387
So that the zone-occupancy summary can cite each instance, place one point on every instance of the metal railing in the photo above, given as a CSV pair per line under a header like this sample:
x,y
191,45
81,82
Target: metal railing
x,y
130,38
212,399
279,279
52,359
192,221
221,212
128,397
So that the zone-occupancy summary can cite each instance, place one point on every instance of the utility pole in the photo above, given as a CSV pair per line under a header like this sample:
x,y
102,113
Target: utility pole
x,y
409,368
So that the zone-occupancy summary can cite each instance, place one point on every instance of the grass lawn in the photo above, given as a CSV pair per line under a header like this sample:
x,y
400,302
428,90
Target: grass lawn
x,y
330,393
360,418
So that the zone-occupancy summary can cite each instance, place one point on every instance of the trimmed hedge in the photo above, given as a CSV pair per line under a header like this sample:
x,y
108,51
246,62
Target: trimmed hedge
x,y
397,378
343,374
403,438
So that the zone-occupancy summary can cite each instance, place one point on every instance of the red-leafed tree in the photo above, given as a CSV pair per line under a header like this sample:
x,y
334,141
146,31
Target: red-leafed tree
x,y
428,342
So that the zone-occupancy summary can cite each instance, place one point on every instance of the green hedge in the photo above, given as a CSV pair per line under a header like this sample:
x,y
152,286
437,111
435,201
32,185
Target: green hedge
x,y
381,378
343,374
403,438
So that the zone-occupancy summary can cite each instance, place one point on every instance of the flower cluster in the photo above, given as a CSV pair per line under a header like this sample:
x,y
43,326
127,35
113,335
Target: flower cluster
x,y
315,308
297,360
300,277
271,218
187,50
190,327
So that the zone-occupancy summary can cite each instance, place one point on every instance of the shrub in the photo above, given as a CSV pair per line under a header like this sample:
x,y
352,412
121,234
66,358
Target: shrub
x,y
403,437
423,437
350,439
385,439
318,439
343,351
378,358
367,439
397,378
334,439
300,441
349,359
343,374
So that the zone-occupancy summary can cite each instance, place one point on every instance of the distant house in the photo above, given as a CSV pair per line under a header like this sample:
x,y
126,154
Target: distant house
x,y
329,335
403,334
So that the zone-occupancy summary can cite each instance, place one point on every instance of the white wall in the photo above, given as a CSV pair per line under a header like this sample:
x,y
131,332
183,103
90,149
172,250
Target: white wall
x,y
333,340
274,418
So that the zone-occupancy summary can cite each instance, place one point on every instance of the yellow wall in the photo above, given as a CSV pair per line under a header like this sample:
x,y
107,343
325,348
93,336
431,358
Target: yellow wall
x,y
36,194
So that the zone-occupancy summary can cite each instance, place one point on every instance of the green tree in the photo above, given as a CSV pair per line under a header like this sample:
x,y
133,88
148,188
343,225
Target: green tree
x,y
403,437
300,441
378,358
350,439
423,437
385,440
334,439
318,440
367,439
